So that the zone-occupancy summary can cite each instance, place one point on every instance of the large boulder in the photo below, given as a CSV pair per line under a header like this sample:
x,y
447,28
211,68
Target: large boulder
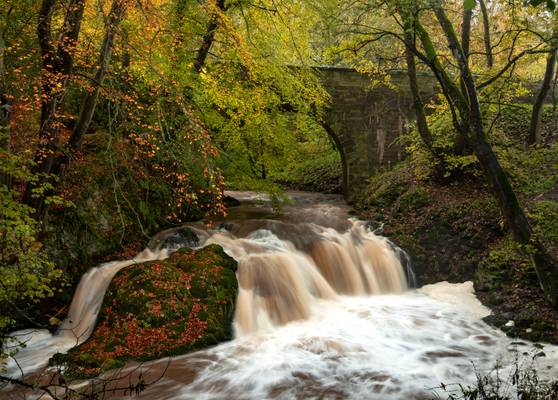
x,y
158,309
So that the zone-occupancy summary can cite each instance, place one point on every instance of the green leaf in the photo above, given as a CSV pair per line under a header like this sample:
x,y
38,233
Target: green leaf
x,y
469,4
550,4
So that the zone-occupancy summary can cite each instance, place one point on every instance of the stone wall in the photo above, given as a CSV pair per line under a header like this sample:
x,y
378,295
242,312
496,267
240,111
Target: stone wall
x,y
366,122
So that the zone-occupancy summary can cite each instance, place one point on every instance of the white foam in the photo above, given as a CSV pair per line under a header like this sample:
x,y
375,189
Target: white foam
x,y
397,346
458,294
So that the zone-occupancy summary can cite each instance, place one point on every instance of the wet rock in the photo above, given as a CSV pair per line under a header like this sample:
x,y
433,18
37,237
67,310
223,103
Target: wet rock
x,y
523,321
228,226
375,226
508,315
495,320
231,201
174,239
158,309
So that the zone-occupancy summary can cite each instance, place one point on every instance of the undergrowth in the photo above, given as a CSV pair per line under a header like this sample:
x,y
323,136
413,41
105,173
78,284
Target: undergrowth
x,y
521,382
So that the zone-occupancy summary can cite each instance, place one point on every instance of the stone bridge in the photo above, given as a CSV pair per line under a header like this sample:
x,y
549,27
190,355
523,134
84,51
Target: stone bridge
x,y
366,122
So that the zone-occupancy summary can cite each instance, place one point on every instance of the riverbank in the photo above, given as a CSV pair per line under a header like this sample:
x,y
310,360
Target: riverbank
x,y
453,230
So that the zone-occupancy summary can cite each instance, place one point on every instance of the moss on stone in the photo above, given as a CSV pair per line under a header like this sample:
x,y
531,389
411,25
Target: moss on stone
x,y
385,189
160,308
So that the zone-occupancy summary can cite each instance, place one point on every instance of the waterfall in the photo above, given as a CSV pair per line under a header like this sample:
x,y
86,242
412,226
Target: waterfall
x,y
323,310
281,273
283,269
40,345
89,294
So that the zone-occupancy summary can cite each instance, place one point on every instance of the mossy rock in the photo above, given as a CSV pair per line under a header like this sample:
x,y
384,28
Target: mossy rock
x,y
158,309
498,267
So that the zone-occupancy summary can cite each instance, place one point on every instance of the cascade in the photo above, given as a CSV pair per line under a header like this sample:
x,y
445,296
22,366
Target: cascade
x,y
324,310
284,268
281,272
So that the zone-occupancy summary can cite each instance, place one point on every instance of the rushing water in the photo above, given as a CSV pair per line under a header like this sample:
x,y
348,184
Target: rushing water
x,y
324,311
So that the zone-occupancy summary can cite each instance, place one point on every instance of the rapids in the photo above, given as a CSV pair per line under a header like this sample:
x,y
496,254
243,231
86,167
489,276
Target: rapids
x,y
325,309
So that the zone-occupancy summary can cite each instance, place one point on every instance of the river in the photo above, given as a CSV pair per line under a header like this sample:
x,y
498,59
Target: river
x,y
326,309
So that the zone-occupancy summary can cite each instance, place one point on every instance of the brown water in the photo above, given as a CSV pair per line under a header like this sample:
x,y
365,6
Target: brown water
x,y
287,262
324,311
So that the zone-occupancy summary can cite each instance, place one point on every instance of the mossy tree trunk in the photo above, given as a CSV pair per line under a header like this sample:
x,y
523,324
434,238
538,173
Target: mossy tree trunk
x,y
535,136
451,91
418,105
486,34
466,30
90,101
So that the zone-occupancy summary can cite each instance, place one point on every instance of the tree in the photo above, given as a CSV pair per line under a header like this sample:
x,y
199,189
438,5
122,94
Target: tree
x,y
251,95
536,115
468,105
486,31
4,109
26,274
57,64
90,102
418,105
209,35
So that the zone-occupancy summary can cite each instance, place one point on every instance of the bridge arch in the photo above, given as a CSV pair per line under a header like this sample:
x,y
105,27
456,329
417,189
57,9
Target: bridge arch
x,y
366,122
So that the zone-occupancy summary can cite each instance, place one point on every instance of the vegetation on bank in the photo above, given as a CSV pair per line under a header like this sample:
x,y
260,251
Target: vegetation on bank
x,y
522,381
454,230
322,174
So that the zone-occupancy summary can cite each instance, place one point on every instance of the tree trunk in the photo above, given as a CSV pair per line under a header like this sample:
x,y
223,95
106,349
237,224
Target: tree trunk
x,y
125,77
466,30
486,36
536,115
209,36
5,145
545,267
418,105
57,64
450,89
333,135
90,101
461,144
